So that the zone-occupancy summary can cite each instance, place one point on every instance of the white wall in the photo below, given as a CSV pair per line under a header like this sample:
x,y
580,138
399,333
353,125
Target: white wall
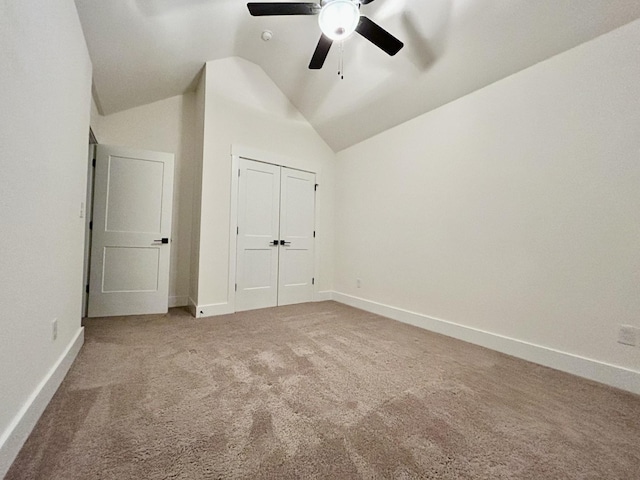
x,y
45,97
166,126
514,210
244,107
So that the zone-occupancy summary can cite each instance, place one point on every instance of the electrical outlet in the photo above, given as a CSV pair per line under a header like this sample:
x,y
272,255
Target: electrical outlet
x,y
628,335
358,283
54,329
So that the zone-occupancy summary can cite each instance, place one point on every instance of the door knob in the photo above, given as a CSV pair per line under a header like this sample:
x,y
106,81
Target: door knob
x,y
162,240
274,243
286,244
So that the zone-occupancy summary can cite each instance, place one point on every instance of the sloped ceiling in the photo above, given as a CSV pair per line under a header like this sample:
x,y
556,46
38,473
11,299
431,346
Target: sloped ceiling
x,y
147,50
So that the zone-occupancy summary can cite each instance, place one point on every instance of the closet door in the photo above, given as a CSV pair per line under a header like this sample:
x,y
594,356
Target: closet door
x,y
258,229
297,224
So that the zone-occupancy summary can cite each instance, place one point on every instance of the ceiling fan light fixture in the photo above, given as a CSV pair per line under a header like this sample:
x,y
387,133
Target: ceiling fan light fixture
x,y
339,18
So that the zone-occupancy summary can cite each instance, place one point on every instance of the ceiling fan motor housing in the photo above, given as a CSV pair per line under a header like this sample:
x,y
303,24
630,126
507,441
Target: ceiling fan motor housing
x,y
339,18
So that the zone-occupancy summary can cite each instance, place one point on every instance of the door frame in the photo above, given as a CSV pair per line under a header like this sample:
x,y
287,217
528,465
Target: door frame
x,y
258,155
88,218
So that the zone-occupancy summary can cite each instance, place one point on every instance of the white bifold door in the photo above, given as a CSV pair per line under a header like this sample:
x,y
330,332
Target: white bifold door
x,y
133,192
275,236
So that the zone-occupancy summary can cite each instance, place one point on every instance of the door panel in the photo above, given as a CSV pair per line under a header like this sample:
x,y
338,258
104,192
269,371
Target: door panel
x,y
258,223
131,208
297,224
132,213
131,269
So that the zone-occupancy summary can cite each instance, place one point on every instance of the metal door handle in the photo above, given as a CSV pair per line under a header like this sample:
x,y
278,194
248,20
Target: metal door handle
x,y
162,240
286,244
274,243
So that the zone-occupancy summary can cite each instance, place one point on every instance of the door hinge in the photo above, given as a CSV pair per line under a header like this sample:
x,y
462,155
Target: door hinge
x,y
86,289
315,187
91,225
237,230
238,172
313,281
93,162
314,234
236,287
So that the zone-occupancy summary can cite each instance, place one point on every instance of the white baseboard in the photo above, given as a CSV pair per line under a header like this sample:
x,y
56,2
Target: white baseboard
x,y
323,296
13,438
178,301
226,308
608,374
213,310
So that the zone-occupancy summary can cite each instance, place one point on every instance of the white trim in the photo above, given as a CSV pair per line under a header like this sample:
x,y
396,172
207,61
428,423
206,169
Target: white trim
x,y
179,301
249,153
264,156
13,438
233,229
323,296
88,216
214,309
615,376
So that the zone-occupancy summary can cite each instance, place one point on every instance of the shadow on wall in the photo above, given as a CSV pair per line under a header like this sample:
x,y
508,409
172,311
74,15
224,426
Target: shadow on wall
x,y
419,50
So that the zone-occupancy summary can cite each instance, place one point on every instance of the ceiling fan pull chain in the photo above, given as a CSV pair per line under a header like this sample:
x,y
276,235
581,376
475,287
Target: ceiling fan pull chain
x,y
341,62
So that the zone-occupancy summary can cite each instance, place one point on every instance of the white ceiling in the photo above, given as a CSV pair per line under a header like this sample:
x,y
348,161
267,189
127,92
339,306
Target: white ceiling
x,y
147,50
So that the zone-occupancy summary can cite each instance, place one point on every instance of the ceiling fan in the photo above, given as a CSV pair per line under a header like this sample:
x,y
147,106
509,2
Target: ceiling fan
x,y
337,19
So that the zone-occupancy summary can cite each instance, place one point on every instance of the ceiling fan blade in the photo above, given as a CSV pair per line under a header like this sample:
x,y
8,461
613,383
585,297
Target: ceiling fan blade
x,y
378,36
282,8
322,50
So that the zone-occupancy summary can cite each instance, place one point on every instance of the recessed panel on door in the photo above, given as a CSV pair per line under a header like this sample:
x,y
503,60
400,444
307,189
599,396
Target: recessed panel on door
x,y
134,195
260,216
257,269
131,269
298,198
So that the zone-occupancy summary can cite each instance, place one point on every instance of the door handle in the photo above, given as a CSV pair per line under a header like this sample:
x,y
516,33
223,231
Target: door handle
x,y
274,243
162,240
286,244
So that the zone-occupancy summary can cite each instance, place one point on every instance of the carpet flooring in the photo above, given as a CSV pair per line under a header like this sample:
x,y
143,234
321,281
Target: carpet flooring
x,y
319,391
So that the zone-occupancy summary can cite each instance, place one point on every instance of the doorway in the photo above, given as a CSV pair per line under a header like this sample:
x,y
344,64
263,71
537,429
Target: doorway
x,y
275,235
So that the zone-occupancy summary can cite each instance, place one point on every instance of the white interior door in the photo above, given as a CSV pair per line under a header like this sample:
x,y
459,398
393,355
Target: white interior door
x,y
258,225
297,225
275,236
131,232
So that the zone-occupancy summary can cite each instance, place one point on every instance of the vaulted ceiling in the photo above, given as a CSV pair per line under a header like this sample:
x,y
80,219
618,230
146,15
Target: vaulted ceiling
x,y
148,50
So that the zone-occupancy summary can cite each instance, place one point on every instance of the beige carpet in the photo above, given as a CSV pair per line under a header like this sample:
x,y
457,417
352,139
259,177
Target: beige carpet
x,y
319,391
